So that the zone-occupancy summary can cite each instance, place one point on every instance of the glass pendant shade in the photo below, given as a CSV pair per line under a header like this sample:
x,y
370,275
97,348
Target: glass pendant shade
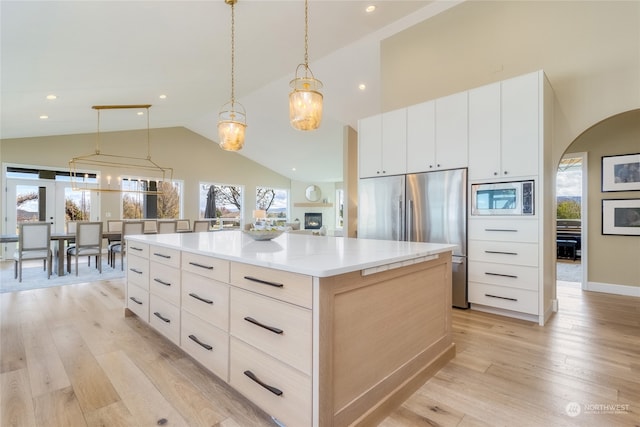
x,y
232,124
305,103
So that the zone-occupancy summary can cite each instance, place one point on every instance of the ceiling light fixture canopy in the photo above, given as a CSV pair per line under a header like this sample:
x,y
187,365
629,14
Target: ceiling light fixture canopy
x,y
232,119
305,100
118,164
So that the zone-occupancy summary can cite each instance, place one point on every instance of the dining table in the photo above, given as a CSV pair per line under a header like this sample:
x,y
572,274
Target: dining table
x,y
62,239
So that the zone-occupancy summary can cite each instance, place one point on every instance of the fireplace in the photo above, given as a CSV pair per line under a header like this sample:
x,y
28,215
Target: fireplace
x,y
312,220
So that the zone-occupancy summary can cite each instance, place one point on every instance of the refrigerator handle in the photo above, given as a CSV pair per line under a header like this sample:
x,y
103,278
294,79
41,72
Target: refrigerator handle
x,y
400,221
409,227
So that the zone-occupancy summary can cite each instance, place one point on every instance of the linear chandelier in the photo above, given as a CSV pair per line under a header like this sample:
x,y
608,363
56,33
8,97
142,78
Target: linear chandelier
x,y
120,165
305,100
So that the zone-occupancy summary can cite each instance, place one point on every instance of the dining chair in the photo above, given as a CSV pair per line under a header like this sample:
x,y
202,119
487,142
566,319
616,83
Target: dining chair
x,y
128,228
34,240
165,227
114,226
150,226
201,225
88,243
183,225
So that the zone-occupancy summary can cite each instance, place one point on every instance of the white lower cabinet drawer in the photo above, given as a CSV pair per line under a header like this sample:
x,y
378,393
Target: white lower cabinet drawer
x,y
213,268
138,271
280,390
504,230
167,256
165,282
205,343
504,252
165,317
206,298
515,276
520,300
280,329
138,301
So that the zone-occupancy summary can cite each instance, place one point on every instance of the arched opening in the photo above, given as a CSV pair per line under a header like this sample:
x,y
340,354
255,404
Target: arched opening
x,y
607,262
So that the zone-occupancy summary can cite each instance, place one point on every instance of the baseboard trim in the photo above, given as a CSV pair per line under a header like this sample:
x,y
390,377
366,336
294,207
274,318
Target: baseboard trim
x,y
608,288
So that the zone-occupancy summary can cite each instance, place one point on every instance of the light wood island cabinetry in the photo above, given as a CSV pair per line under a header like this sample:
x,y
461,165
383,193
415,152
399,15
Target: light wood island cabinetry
x,y
315,330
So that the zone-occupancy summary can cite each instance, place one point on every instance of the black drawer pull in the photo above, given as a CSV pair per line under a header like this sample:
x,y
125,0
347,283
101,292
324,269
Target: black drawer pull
x,y
501,252
199,298
270,328
200,343
162,282
135,271
195,264
264,282
135,248
272,389
164,319
501,229
501,275
137,301
162,255
496,296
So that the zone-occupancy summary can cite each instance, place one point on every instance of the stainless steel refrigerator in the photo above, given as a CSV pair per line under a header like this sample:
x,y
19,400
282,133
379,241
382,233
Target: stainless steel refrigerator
x,y
425,207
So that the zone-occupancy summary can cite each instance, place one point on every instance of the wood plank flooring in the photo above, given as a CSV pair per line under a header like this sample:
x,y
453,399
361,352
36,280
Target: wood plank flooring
x,y
69,357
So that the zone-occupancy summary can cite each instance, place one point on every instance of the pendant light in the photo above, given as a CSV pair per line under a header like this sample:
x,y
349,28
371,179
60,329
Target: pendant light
x,y
232,119
305,100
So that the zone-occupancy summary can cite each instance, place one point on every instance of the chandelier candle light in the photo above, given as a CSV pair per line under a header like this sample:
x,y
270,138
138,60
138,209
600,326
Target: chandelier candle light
x,y
232,120
305,100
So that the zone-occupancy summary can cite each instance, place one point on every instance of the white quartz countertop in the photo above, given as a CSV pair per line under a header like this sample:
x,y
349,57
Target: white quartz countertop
x,y
320,256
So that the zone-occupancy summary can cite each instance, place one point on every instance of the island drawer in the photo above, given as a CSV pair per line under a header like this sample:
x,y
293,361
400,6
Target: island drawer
x,y
165,256
165,317
515,276
520,300
522,230
205,343
137,248
283,285
280,329
138,301
138,271
504,252
213,268
280,390
165,281
206,298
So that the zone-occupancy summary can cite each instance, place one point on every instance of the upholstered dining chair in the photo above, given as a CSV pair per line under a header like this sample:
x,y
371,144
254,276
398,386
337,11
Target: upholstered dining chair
x,y
183,225
165,227
88,243
34,240
201,225
128,228
150,226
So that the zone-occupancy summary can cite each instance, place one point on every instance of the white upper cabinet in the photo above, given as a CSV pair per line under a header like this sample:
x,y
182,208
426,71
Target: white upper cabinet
x,y
452,131
504,128
421,137
382,144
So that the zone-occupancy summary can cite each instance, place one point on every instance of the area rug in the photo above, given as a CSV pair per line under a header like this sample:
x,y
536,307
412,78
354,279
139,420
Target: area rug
x,y
34,277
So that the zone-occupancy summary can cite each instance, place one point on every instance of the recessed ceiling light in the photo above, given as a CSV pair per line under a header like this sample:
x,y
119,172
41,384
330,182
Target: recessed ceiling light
x,y
163,97
51,96
362,86
44,116
140,113
293,169
370,8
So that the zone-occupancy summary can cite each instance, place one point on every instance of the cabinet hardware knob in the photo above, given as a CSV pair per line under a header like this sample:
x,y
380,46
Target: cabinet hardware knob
x,y
264,282
501,252
195,264
135,271
501,275
198,297
267,327
159,316
137,301
499,297
162,255
200,343
162,282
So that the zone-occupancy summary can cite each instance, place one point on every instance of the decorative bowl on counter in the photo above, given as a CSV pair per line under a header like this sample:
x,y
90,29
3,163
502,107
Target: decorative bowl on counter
x,y
263,234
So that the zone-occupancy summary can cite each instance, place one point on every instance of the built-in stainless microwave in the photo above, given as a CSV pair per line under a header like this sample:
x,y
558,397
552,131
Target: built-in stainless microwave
x,y
503,198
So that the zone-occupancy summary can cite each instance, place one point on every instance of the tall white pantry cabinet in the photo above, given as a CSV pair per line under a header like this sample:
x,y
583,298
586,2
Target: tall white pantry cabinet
x,y
503,133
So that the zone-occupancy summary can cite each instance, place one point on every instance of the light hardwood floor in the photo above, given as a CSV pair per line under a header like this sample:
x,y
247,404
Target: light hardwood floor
x,y
69,357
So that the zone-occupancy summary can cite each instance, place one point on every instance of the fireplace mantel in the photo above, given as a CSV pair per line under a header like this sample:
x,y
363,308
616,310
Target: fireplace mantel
x,y
313,205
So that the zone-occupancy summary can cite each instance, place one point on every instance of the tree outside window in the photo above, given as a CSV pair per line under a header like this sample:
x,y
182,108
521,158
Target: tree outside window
x,y
275,201
227,204
134,199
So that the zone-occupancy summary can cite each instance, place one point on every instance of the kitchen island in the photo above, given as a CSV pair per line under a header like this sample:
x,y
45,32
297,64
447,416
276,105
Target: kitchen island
x,y
315,330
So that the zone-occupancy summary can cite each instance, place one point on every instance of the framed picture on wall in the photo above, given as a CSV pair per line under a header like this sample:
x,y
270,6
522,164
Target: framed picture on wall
x,y
621,173
621,217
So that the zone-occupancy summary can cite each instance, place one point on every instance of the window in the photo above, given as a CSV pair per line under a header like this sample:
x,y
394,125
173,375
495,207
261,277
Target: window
x,y
221,202
136,204
275,201
340,208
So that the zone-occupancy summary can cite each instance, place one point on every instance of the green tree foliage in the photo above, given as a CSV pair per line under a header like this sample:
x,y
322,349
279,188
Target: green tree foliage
x,y
73,212
568,209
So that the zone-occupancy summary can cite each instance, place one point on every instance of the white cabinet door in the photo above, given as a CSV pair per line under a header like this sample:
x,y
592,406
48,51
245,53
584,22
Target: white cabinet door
x,y
421,137
394,142
452,135
370,146
484,132
521,125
